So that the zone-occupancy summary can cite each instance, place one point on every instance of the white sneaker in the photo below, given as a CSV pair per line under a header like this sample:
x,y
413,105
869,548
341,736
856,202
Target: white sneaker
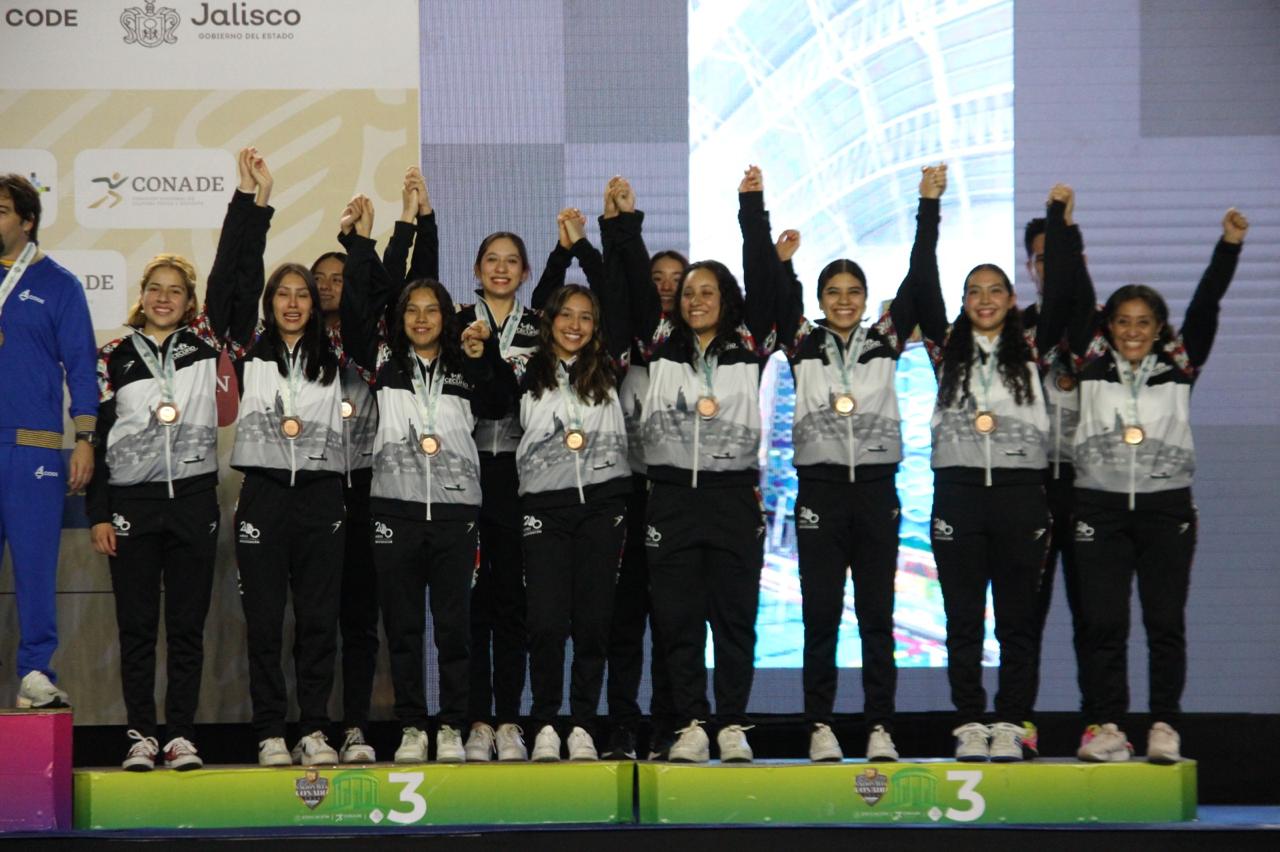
x,y
1006,742
355,749
314,750
1163,744
37,692
691,746
546,746
449,745
973,742
510,742
823,745
582,746
480,743
1104,744
880,746
733,745
273,752
413,747
180,754
142,754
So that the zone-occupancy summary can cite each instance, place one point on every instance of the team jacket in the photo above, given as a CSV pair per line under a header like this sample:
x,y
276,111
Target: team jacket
x,y
1060,383
1016,451
1165,459
138,456
868,443
551,474
503,435
407,482
359,429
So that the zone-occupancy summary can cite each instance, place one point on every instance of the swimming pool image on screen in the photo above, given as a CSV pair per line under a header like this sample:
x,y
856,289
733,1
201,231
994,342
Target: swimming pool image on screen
x,y
841,104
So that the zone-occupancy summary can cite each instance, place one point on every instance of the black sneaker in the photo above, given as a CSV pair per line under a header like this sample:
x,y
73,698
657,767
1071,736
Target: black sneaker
x,y
660,748
622,745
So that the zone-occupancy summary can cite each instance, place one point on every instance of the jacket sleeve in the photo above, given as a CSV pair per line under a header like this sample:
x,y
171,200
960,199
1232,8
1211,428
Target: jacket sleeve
x,y
425,262
911,305
762,271
365,290
552,277
395,257
238,276
97,501
627,264
1200,325
78,352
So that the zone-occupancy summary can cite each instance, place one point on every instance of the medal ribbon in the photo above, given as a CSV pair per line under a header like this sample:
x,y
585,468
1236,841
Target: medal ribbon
x,y
573,411
1136,379
508,332
163,370
986,374
427,391
846,361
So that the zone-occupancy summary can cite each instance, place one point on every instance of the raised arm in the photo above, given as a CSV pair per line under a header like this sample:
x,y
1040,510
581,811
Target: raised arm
x,y
1200,325
234,286
789,309
626,258
926,284
1069,300
761,269
557,265
366,285
911,306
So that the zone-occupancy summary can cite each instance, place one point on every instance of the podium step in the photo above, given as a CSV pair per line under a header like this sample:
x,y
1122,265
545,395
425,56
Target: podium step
x,y
925,792
35,775
379,795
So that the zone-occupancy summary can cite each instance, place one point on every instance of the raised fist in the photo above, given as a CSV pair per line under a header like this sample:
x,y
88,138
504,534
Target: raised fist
x,y
788,243
752,180
624,195
933,180
1234,226
610,204
1065,194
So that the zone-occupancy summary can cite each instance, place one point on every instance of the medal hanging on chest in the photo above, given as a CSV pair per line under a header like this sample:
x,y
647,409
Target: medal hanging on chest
x,y
164,370
707,406
427,389
575,436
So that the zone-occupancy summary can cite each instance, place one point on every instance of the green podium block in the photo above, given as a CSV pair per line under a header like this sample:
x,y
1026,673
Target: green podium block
x,y
927,792
373,796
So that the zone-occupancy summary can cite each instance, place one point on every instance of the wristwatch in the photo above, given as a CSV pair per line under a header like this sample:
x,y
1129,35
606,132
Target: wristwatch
x,y
90,437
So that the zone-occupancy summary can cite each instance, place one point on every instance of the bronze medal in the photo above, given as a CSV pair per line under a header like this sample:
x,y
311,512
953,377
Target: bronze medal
x,y
1066,382
291,427
429,444
167,413
984,423
707,407
1133,435
575,440
844,404
348,409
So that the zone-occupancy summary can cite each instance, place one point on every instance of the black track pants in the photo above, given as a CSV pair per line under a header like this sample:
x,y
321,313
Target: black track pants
x,y
413,556
571,573
842,526
290,540
499,639
358,615
706,552
632,608
999,536
1061,495
1155,542
169,542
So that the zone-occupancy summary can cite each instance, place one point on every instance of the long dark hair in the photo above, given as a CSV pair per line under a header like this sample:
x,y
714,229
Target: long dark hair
x,y
339,256
732,305
1154,301
592,374
320,364
450,334
1011,357
673,255
494,237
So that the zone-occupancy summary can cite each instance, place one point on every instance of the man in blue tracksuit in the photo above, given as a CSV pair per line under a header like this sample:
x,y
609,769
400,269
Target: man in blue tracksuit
x,y
44,330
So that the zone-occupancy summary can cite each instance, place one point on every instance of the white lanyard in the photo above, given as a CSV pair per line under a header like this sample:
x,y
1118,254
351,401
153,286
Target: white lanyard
x,y
846,361
573,412
508,332
163,368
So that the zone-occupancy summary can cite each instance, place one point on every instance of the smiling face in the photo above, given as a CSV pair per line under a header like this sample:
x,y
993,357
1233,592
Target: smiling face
x,y
572,326
843,301
668,275
165,300
328,275
987,301
1134,329
501,269
423,322
700,302
291,306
